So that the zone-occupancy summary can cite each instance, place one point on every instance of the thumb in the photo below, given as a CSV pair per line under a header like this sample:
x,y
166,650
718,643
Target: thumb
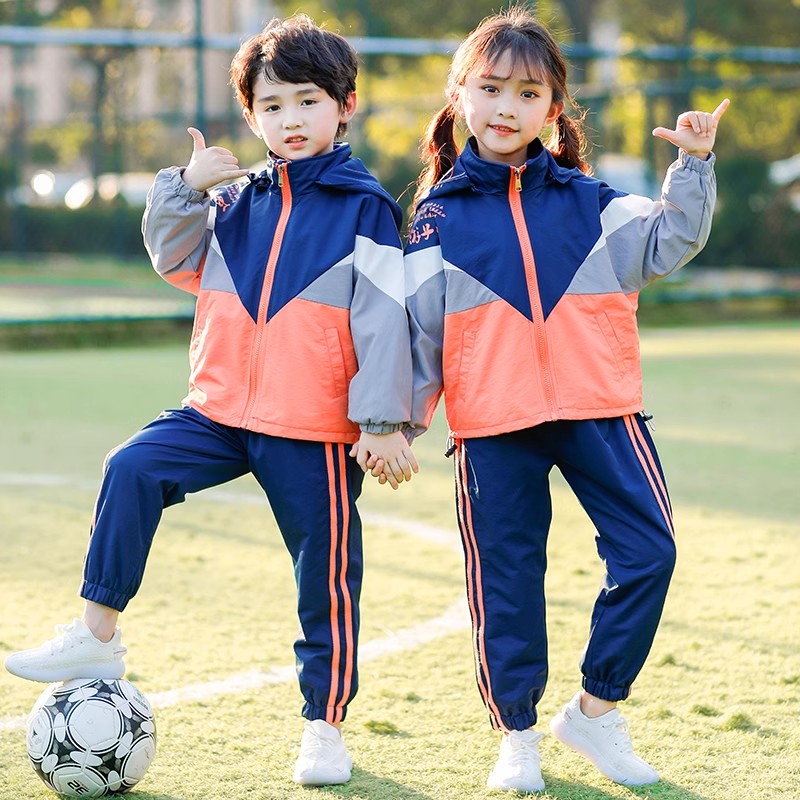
x,y
197,138
664,133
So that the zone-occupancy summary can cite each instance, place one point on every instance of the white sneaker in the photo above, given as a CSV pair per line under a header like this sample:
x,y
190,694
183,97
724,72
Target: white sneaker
x,y
323,759
518,768
605,741
72,653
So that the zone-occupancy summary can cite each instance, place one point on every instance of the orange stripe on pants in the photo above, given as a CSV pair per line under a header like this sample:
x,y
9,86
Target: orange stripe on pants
x,y
475,591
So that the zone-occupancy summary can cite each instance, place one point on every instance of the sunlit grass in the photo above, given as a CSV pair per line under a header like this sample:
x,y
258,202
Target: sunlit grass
x,y
715,708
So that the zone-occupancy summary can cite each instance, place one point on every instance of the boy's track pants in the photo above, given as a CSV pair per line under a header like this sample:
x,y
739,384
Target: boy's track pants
x,y
504,513
311,487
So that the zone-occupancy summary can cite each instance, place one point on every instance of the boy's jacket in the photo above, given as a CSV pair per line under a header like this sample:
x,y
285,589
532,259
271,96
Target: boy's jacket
x,y
300,329
522,287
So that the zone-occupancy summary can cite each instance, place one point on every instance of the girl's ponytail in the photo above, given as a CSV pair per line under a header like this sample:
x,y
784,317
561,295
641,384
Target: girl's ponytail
x,y
438,151
567,143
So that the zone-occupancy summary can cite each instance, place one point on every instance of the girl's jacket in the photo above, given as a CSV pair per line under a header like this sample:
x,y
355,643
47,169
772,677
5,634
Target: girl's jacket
x,y
522,286
300,328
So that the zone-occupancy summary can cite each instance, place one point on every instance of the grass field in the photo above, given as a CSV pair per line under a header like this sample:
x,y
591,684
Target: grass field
x,y
716,709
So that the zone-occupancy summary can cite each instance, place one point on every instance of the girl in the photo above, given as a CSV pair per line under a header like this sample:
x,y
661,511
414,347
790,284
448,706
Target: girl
x,y
522,280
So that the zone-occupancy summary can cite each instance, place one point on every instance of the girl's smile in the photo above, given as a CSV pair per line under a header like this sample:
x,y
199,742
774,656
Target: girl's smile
x,y
506,110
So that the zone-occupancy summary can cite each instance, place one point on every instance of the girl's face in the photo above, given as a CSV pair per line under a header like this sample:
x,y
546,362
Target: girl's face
x,y
506,110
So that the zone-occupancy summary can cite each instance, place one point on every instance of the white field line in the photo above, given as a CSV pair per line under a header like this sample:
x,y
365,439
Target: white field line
x,y
455,618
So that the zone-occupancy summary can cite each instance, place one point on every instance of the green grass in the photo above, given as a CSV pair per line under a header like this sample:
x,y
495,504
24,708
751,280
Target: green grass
x,y
84,270
715,708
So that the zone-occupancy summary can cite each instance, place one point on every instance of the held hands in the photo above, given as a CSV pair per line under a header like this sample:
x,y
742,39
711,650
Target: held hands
x,y
209,166
695,131
387,456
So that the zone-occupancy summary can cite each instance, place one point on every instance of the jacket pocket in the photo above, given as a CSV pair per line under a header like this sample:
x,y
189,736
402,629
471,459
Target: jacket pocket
x,y
336,358
614,344
465,362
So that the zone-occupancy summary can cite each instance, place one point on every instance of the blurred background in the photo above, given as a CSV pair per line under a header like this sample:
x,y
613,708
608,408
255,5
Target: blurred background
x,y
96,96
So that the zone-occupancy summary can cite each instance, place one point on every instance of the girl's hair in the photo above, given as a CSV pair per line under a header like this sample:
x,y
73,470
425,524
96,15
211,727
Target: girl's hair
x,y
295,50
516,32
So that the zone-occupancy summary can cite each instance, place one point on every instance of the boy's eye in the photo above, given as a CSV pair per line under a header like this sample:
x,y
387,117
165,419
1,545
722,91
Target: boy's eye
x,y
309,101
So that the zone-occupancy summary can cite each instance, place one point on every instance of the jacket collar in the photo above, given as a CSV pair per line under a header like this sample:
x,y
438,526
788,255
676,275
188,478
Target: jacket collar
x,y
304,172
490,177
336,170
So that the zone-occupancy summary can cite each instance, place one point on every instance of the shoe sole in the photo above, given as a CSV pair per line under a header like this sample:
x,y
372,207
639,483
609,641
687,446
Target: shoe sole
x,y
109,671
322,778
500,786
560,728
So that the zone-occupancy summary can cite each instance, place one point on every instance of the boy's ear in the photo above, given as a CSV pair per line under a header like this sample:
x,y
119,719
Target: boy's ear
x,y
349,108
250,120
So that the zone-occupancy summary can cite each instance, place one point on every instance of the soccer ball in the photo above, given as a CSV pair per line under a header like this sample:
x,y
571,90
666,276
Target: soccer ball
x,y
88,737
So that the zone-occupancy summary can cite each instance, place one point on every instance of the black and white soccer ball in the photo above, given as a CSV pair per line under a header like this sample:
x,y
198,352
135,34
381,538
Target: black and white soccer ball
x,y
88,738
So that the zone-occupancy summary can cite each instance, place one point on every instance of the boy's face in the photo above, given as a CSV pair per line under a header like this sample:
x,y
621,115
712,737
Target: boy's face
x,y
296,120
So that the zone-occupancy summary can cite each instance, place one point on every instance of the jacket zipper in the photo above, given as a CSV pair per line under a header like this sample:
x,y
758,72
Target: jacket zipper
x,y
266,291
540,336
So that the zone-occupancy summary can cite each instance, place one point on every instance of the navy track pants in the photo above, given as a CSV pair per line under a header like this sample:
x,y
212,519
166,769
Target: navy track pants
x,y
504,514
311,487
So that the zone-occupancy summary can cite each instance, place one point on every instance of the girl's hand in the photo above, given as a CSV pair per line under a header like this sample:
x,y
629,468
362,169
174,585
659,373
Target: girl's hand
x,y
388,457
695,131
209,166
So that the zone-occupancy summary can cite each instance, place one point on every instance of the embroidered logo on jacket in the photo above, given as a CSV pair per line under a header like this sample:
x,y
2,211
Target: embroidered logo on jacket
x,y
227,196
424,230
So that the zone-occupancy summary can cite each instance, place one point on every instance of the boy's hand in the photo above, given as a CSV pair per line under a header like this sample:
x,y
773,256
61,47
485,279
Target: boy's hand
x,y
387,456
209,166
695,131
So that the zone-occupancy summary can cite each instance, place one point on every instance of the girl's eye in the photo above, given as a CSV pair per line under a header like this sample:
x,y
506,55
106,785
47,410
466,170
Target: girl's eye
x,y
529,95
271,108
490,89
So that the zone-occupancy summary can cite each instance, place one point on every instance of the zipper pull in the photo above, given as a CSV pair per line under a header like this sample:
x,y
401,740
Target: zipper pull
x,y
518,177
281,173
648,420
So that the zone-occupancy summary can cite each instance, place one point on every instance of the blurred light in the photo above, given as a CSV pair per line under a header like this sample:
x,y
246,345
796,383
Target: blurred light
x,y
108,186
43,183
143,18
79,194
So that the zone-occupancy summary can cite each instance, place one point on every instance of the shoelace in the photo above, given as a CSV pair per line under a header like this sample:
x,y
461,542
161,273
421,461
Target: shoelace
x,y
318,745
525,753
620,735
64,633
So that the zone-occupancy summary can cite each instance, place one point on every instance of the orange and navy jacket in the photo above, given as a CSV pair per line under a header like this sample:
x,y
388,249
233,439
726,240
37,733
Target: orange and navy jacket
x,y
522,286
300,328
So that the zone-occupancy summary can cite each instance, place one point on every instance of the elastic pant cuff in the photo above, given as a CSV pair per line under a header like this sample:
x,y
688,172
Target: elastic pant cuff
x,y
515,722
331,714
104,596
605,691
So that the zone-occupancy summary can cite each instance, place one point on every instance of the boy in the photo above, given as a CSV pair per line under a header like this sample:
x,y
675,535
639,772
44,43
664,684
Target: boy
x,y
296,274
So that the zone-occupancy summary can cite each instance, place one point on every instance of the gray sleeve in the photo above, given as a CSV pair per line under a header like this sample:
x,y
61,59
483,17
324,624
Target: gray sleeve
x,y
425,302
177,228
380,392
648,239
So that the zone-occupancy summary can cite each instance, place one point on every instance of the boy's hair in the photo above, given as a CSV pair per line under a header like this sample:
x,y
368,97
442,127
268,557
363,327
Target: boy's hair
x,y
295,50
